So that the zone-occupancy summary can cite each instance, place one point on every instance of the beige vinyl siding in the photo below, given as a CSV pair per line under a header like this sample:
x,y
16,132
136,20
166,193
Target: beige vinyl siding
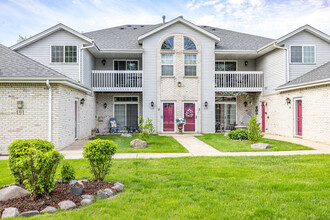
x,y
322,50
273,65
40,52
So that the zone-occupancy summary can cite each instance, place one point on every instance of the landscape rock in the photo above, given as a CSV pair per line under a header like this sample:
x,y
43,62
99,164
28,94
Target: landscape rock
x,y
119,185
67,204
30,213
137,143
90,197
109,192
48,209
10,212
86,202
261,146
125,135
12,192
101,195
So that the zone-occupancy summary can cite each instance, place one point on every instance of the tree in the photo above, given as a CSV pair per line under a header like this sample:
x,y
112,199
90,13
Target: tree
x,y
21,38
254,131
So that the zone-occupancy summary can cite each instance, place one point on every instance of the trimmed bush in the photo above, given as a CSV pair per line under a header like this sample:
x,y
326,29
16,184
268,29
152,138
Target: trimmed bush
x,y
67,172
254,131
99,153
34,163
239,134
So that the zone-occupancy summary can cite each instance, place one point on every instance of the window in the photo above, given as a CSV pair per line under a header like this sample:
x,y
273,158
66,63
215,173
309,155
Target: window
x,y
168,44
64,54
302,54
189,44
167,64
126,99
225,66
190,64
126,111
126,65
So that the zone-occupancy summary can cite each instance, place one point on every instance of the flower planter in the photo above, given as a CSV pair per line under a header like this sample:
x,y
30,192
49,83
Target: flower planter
x,y
180,127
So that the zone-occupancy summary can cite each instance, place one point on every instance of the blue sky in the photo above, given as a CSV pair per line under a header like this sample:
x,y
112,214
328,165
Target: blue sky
x,y
261,17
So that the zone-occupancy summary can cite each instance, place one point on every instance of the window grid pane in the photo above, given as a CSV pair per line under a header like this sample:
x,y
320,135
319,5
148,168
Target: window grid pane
x,y
168,44
132,65
70,54
57,54
309,54
190,64
190,70
190,59
296,54
230,66
167,70
189,44
219,66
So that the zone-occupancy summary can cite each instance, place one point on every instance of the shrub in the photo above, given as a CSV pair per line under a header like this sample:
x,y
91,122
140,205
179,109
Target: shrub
x,y
239,134
34,162
254,131
146,129
67,172
99,153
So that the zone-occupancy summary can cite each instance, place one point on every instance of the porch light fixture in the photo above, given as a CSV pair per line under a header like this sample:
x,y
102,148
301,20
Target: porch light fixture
x,y
105,105
288,101
82,101
256,110
245,104
206,104
246,62
152,104
104,62
179,84
20,104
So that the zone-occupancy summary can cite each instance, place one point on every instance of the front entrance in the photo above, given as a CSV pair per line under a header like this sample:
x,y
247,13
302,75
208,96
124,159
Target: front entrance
x,y
168,117
189,111
76,105
225,113
263,116
298,117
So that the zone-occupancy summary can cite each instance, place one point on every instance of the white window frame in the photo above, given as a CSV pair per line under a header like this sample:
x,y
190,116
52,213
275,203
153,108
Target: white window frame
x,y
113,63
184,64
59,45
125,103
302,55
236,61
161,73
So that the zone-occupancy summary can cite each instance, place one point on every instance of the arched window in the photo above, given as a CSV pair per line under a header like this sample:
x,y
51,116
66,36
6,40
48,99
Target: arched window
x,y
189,44
168,44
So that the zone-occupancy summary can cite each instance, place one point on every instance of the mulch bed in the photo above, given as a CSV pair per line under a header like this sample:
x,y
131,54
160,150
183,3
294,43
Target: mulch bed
x,y
61,192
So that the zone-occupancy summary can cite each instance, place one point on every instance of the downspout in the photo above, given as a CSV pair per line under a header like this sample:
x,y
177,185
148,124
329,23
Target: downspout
x,y
81,61
49,111
286,61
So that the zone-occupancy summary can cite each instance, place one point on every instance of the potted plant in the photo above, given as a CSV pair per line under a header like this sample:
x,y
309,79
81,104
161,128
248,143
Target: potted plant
x,y
180,122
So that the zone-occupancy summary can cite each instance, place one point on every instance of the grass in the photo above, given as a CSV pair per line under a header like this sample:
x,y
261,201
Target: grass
x,y
274,187
156,144
222,143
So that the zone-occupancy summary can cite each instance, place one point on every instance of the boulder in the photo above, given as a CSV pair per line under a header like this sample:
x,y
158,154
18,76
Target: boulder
x,y
101,195
10,212
125,135
90,197
109,192
137,143
67,204
12,192
48,209
261,146
86,202
118,187
30,213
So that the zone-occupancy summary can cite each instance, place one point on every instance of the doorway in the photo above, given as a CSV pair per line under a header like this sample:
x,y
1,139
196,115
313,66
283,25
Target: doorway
x,y
189,111
168,116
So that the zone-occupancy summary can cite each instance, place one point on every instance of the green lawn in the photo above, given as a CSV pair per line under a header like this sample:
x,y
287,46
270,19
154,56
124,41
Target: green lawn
x,y
278,187
222,143
156,144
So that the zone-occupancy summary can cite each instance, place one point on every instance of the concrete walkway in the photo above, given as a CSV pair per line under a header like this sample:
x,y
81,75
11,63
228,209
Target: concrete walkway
x,y
199,148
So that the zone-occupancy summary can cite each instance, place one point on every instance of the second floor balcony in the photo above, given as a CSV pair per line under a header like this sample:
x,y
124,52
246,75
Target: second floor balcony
x,y
239,81
116,81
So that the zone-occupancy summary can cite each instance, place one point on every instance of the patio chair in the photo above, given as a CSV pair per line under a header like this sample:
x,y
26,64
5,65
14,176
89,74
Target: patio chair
x,y
133,127
114,126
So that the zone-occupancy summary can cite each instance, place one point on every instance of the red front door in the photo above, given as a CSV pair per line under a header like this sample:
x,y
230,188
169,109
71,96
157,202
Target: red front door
x,y
168,117
189,115
299,117
263,117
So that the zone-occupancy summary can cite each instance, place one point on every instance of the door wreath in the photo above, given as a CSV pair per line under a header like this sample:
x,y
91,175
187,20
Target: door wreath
x,y
189,113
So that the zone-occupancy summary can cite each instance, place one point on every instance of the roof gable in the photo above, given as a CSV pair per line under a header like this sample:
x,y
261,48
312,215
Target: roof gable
x,y
183,21
307,28
48,32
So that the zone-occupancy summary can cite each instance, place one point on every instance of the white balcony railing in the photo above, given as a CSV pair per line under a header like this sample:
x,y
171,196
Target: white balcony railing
x,y
242,81
116,80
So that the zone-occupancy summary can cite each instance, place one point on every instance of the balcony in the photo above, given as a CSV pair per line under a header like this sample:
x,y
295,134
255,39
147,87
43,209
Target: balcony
x,y
116,81
239,81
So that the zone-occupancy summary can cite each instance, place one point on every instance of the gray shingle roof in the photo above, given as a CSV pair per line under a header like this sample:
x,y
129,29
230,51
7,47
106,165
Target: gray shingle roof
x,y
126,37
319,73
13,64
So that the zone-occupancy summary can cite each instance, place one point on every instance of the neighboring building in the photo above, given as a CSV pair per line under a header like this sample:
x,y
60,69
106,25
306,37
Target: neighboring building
x,y
214,78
